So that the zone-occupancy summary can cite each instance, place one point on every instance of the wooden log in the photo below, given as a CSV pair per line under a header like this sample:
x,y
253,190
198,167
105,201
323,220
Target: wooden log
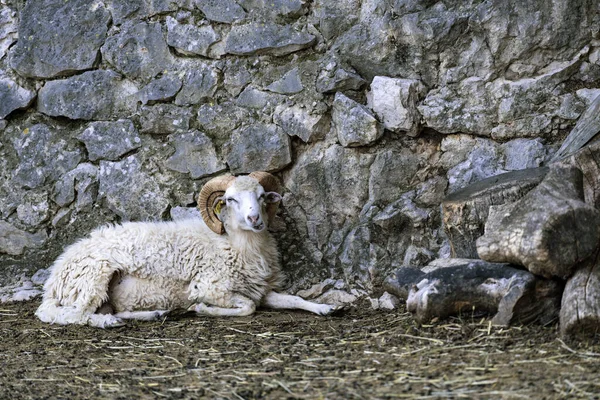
x,y
465,212
588,161
480,288
580,310
549,231
586,128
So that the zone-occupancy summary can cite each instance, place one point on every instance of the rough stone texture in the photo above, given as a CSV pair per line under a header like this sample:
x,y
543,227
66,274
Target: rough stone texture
x,y
226,11
354,124
43,156
163,119
199,85
100,95
59,38
110,140
334,78
124,10
394,101
288,84
14,241
13,97
273,39
258,148
8,30
299,121
138,51
130,192
189,39
194,154
162,89
80,183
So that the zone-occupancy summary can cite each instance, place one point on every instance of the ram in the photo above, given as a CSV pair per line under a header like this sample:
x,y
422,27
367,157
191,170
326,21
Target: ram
x,y
225,264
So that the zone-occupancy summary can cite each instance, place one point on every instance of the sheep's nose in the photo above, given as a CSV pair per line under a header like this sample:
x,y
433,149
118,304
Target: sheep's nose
x,y
253,219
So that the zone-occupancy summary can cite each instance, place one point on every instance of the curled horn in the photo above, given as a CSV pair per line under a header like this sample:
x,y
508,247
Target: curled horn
x,y
206,201
270,184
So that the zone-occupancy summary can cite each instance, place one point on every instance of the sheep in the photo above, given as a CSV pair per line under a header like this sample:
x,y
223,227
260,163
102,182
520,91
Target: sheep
x,y
225,264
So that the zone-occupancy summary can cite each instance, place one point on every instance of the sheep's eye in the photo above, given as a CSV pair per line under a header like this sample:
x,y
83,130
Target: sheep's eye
x,y
231,200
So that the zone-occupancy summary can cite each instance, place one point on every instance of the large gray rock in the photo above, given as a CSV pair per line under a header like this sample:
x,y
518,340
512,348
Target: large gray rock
x,y
161,89
14,241
138,51
268,38
258,147
164,119
59,38
354,123
110,140
43,155
93,95
394,101
194,154
301,122
13,97
190,39
8,30
199,85
130,191
226,11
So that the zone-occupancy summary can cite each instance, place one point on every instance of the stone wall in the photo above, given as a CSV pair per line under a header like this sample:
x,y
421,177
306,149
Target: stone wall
x,y
370,112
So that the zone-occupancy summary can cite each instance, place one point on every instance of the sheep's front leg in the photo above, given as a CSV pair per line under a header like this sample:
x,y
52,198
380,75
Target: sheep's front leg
x,y
288,301
238,306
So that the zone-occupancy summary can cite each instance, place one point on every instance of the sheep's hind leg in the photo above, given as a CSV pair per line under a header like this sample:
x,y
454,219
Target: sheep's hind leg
x,y
240,307
142,315
287,301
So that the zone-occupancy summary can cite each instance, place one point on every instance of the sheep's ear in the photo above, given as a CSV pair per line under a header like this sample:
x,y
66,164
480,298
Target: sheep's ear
x,y
218,205
272,197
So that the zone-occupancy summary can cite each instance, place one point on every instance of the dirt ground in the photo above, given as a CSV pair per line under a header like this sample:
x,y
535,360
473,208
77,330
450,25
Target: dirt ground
x,y
359,354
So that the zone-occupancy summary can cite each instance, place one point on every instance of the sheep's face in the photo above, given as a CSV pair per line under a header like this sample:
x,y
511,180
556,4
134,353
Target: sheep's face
x,y
244,204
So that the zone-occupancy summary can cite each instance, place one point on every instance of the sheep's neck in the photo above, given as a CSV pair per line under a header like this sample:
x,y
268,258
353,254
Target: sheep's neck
x,y
247,242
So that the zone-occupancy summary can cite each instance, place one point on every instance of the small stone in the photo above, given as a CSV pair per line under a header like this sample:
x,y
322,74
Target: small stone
x,y
353,123
93,95
226,11
110,140
190,39
258,148
289,84
138,51
162,89
298,121
273,39
199,86
194,154
14,97
14,241
164,119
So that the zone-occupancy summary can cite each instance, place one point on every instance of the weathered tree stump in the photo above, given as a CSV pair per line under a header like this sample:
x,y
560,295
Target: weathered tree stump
x,y
580,311
588,126
549,231
588,161
478,287
465,212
